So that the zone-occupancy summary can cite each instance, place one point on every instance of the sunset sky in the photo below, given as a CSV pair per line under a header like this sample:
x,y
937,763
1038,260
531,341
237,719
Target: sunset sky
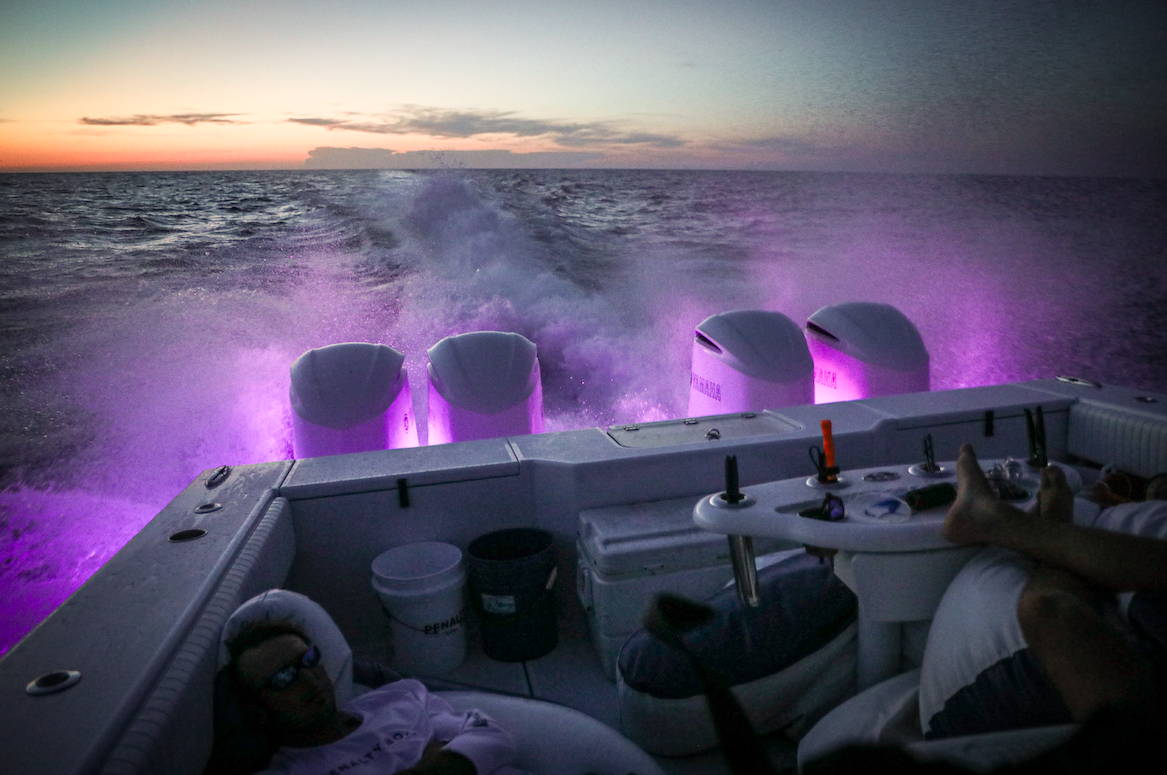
x,y
1006,86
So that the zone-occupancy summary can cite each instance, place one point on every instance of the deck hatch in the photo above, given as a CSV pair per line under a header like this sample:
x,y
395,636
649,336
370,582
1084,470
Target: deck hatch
x,y
385,469
700,430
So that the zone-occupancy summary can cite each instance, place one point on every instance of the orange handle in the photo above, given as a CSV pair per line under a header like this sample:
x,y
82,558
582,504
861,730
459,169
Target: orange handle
x,y
828,444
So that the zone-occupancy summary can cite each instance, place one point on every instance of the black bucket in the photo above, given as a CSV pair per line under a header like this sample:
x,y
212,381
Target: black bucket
x,y
512,576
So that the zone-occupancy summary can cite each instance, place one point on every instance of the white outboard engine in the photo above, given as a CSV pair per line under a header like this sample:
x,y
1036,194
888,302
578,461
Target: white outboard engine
x,y
350,397
482,385
748,360
863,349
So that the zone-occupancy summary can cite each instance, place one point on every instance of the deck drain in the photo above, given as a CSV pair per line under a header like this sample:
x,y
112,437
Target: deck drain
x,y
187,535
207,508
51,683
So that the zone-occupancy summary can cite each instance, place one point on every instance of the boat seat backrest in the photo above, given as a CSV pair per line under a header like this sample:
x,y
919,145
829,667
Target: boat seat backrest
x,y
1134,441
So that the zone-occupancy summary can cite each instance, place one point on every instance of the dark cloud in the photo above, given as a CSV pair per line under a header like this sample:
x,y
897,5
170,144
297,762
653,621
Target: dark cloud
x,y
436,122
140,119
328,157
633,138
792,146
325,122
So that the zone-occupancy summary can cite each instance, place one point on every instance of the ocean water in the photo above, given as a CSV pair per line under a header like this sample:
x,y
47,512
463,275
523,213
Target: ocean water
x,y
148,320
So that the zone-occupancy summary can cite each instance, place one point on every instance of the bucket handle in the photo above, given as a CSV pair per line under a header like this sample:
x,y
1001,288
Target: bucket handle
x,y
583,586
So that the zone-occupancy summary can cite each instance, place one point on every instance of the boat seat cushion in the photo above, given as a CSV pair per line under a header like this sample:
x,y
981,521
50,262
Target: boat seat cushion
x,y
1131,438
787,660
553,738
308,615
978,673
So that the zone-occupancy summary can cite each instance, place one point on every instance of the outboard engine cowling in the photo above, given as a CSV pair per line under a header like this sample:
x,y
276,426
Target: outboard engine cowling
x,y
864,349
350,397
482,385
748,360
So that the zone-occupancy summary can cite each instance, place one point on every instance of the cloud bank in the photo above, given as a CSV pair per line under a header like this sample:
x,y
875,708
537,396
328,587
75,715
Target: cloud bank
x,y
328,157
461,124
140,119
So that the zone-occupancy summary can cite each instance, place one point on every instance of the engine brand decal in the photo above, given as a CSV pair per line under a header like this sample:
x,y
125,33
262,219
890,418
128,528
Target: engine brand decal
x,y
706,386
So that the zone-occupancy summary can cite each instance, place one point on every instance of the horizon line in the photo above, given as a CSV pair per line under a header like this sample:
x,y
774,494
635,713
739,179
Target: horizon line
x,y
114,171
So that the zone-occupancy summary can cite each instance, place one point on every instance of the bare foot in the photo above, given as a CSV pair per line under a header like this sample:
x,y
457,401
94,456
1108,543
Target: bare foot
x,y
1101,494
976,514
1054,499
1157,488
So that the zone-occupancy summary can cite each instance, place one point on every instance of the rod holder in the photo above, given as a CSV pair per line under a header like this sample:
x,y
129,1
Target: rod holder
x,y
745,570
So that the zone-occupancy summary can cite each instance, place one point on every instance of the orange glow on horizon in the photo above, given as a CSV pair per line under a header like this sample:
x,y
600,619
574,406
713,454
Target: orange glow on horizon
x,y
60,146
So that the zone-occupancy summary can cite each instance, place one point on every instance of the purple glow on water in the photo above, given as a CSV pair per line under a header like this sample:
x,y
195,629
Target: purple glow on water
x,y
54,541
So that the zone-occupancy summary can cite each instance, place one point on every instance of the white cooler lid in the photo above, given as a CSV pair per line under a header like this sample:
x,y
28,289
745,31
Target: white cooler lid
x,y
653,537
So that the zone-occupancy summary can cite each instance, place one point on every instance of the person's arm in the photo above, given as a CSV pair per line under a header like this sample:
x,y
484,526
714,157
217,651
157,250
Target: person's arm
x,y
471,735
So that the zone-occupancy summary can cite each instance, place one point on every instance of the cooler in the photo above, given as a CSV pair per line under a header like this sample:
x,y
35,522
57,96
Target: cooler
x,y
629,553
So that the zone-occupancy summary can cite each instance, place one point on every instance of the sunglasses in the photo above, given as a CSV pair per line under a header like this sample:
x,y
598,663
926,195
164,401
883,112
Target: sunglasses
x,y
287,675
833,509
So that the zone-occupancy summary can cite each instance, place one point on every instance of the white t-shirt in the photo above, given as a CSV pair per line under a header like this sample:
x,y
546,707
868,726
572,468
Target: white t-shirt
x,y
397,721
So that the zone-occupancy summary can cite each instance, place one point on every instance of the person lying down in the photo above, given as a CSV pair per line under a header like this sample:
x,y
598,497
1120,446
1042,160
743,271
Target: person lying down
x,y
1109,672
401,727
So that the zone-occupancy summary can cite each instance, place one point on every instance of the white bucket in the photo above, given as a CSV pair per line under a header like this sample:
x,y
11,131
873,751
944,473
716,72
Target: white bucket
x,y
421,586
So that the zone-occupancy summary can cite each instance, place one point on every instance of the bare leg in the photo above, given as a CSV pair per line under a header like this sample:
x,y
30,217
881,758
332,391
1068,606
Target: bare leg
x,y
1090,664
